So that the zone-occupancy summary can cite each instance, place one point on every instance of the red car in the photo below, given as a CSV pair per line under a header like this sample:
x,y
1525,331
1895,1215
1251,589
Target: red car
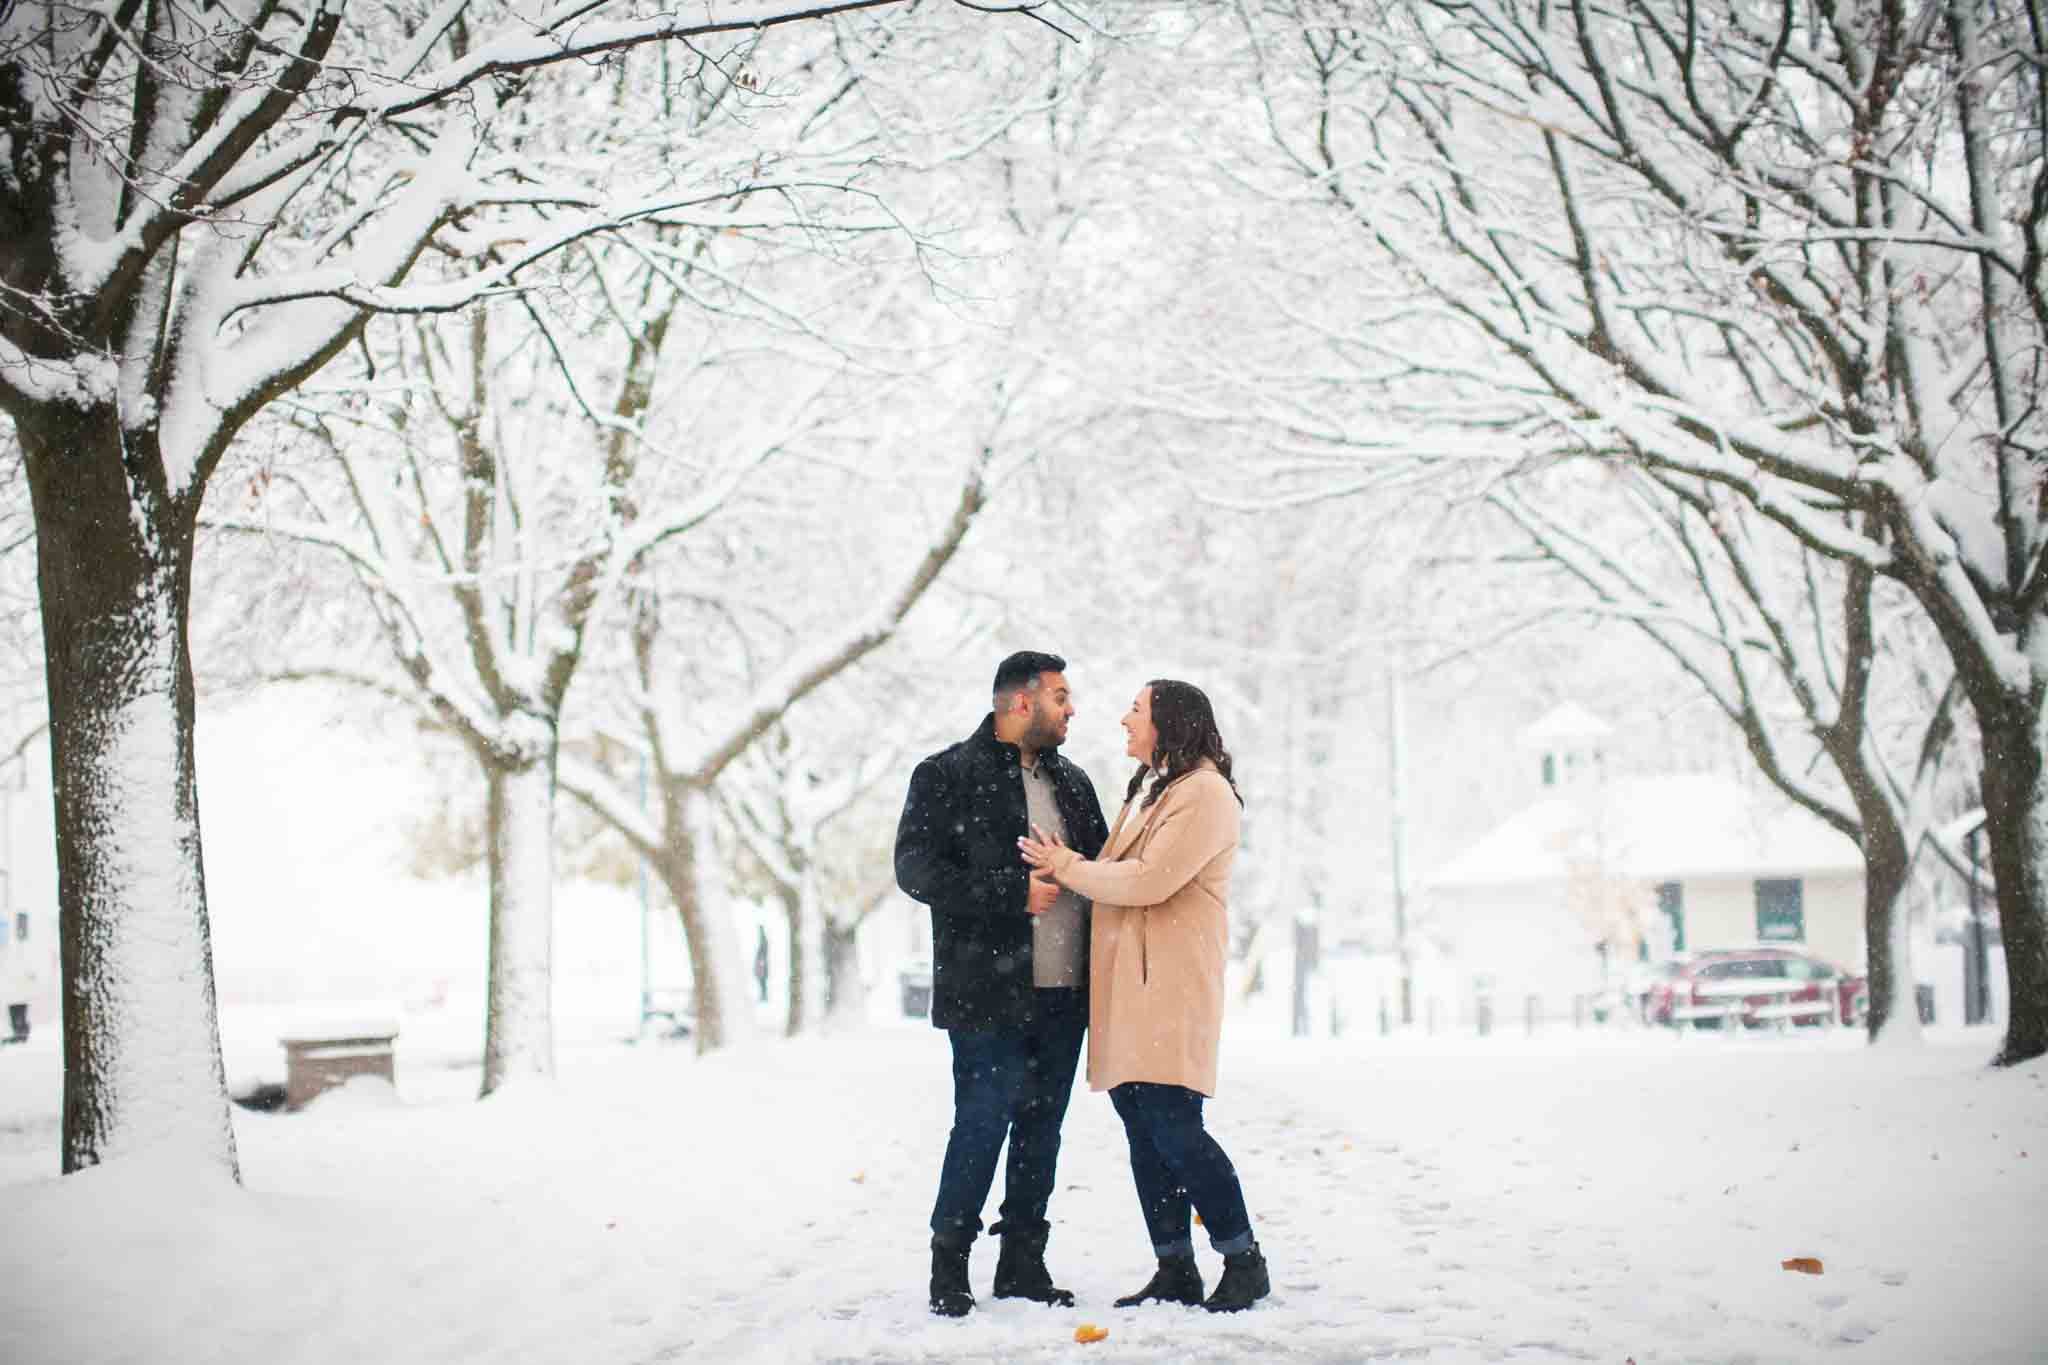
x,y
1755,987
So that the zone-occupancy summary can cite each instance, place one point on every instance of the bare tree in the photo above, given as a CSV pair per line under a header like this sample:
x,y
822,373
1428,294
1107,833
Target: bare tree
x,y
204,205
1789,646
1794,251
795,806
688,737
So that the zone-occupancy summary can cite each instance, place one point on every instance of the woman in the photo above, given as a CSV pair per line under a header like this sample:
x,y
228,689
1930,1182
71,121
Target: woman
x,y
1155,984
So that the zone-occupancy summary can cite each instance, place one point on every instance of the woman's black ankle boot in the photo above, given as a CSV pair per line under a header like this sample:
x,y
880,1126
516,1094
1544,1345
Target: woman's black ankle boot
x,y
1244,1282
1178,1280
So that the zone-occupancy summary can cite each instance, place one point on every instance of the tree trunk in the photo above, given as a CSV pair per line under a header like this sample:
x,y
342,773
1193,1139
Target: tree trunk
x,y
142,1063
519,1018
843,994
723,1016
2015,732
1887,935
792,899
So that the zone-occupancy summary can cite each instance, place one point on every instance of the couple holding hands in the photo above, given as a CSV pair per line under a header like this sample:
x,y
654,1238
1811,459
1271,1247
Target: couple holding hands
x,y
1049,926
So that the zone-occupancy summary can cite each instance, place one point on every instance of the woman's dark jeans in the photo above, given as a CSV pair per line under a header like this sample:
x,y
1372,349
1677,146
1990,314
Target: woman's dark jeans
x,y
1176,1164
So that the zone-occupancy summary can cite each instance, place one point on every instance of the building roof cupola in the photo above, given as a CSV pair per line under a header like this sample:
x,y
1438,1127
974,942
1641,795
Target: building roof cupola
x,y
1569,744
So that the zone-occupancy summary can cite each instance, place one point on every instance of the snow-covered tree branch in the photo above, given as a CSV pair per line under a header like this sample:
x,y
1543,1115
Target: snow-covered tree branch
x,y
204,205
1723,242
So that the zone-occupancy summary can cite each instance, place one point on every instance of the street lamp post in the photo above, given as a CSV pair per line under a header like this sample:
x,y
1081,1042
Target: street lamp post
x,y
646,979
1397,796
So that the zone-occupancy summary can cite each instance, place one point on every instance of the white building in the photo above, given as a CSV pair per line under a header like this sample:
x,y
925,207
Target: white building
x,y
1597,872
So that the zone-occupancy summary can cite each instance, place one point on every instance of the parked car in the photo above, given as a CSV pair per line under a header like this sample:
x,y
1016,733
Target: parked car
x,y
1764,985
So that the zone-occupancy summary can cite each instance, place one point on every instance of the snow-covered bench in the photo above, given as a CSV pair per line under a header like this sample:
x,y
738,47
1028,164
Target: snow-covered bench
x,y
318,1061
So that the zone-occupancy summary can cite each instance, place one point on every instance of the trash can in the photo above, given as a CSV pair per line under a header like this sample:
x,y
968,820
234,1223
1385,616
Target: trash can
x,y
1923,999
915,982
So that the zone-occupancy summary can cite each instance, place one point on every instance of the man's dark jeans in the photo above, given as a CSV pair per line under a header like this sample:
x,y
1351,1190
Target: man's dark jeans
x,y
1011,1083
1175,1163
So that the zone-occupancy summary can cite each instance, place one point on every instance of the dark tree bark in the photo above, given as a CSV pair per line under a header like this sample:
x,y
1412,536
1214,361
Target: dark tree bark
x,y
114,563
2016,828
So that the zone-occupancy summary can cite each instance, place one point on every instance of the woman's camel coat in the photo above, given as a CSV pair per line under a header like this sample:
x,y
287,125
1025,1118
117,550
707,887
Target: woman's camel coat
x,y
1156,951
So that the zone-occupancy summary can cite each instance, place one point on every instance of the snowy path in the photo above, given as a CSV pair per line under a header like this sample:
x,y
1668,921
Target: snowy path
x,y
1421,1201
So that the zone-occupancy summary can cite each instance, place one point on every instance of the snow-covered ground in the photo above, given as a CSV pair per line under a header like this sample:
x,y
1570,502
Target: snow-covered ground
x,y
1599,1197
1582,1197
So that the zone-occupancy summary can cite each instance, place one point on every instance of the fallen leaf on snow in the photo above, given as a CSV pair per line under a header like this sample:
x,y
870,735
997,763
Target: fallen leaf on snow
x,y
1088,1332
1805,1265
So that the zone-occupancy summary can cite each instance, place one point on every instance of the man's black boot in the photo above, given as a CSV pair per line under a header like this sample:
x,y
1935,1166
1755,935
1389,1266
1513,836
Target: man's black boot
x,y
951,1298
1244,1282
1178,1280
1020,1267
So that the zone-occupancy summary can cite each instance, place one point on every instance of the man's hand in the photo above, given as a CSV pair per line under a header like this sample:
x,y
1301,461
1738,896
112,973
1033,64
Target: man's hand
x,y
1042,892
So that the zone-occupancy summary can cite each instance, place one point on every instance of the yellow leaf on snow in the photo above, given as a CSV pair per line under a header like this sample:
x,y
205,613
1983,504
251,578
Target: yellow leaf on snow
x,y
1088,1332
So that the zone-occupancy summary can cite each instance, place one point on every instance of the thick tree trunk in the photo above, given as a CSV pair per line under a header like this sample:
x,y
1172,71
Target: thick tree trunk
x,y
2011,706
2015,731
142,1063
519,1018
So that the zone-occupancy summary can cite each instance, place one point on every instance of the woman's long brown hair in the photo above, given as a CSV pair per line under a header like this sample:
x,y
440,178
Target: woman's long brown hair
x,y
1186,725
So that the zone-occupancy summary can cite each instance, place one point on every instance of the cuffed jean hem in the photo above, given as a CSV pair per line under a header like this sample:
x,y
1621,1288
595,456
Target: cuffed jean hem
x,y
1230,1246
1167,1251
1175,1163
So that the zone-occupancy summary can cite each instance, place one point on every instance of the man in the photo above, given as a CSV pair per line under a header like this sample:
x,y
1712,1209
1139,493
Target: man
x,y
1009,967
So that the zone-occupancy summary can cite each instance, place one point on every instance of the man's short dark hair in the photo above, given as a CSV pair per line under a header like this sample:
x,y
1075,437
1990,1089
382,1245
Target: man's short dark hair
x,y
1020,671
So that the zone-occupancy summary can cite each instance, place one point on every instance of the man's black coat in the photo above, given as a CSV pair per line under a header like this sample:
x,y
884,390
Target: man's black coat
x,y
956,850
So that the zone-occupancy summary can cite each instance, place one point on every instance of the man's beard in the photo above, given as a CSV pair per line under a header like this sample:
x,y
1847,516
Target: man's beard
x,y
1044,732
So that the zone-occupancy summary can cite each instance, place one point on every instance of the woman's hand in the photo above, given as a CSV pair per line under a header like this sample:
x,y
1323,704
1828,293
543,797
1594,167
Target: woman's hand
x,y
1041,849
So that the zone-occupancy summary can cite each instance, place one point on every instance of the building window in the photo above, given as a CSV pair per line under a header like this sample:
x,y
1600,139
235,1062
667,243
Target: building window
x,y
1671,905
1780,910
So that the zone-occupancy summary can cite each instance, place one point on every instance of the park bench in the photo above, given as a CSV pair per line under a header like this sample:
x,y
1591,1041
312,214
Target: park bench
x,y
317,1062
